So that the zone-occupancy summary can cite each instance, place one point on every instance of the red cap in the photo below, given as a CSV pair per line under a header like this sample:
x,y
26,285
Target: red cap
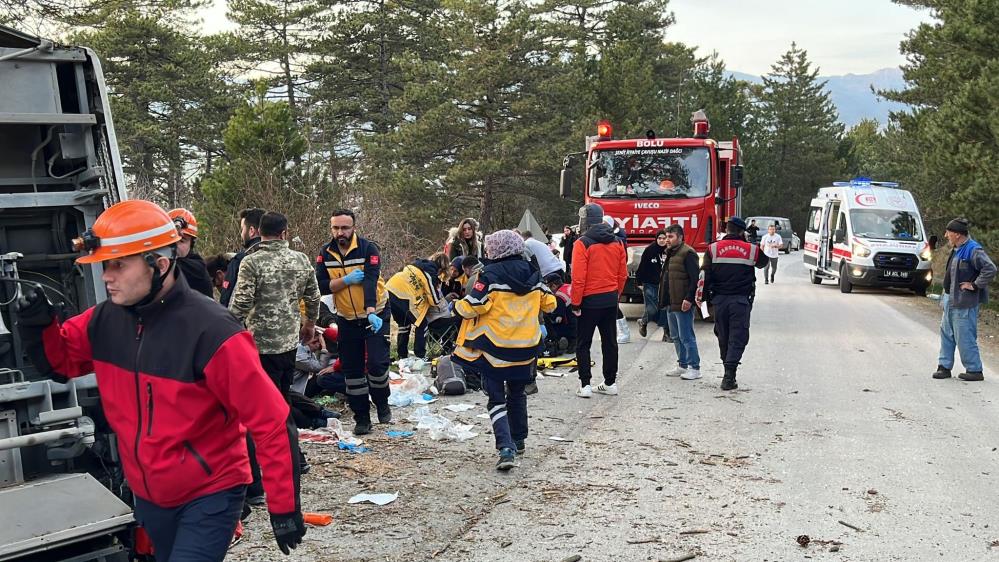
x,y
332,333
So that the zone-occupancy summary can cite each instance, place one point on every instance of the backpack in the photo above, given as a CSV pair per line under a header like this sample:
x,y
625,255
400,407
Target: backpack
x,y
450,377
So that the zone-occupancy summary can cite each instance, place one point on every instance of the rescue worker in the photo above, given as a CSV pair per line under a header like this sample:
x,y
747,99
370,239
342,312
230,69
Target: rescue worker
x,y
272,280
249,232
180,383
500,337
349,267
598,275
412,293
730,285
189,262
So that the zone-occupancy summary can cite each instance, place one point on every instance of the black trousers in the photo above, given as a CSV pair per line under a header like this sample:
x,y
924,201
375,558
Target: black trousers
x,y
406,322
365,375
280,367
590,320
732,327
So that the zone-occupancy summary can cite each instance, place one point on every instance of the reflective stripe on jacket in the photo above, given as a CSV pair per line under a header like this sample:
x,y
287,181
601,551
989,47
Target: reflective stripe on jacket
x,y
353,301
501,314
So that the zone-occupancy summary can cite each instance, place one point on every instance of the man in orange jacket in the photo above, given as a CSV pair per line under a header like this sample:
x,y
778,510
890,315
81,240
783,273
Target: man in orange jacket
x,y
599,271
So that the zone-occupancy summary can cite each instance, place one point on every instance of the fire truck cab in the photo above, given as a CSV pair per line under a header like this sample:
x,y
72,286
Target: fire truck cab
x,y
867,233
648,184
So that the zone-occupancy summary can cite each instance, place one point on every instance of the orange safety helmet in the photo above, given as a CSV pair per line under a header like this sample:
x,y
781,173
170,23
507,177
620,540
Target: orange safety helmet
x,y
126,229
185,221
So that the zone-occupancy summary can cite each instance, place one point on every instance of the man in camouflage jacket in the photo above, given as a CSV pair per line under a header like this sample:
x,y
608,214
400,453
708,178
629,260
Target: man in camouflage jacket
x,y
273,280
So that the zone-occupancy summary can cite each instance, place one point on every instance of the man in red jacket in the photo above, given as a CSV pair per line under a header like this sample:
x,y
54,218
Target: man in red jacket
x,y
599,271
180,384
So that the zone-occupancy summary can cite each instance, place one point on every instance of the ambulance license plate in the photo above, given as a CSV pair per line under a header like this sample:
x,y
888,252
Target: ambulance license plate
x,y
894,274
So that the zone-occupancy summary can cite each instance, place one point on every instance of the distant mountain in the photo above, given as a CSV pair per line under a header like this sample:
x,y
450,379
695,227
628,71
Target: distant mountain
x,y
852,94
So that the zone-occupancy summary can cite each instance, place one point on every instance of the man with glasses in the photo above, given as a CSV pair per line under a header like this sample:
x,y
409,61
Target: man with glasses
x,y
349,268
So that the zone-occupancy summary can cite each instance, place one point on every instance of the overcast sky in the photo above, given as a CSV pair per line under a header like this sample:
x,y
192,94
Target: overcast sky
x,y
841,36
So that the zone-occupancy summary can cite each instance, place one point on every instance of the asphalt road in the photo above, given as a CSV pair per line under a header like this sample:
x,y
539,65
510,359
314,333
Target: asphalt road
x,y
836,432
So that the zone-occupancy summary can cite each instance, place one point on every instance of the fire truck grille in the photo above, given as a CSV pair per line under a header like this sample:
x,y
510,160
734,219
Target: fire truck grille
x,y
891,260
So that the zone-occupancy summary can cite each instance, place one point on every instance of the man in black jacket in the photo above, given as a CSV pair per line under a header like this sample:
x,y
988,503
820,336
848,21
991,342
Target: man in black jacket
x,y
649,271
249,231
189,262
730,284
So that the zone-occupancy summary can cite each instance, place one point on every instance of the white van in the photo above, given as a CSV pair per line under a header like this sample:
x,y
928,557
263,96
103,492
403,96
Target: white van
x,y
867,233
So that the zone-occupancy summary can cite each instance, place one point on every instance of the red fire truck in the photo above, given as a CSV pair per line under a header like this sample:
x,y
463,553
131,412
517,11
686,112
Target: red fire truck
x,y
648,184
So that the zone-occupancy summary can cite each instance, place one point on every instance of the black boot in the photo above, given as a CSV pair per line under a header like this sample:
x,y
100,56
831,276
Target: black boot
x,y
972,376
384,413
362,424
728,381
941,372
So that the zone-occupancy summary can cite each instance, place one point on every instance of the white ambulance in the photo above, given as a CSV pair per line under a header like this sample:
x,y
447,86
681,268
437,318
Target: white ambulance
x,y
867,233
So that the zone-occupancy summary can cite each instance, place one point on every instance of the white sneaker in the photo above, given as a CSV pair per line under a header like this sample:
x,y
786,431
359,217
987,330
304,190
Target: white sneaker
x,y
585,392
691,375
610,390
676,371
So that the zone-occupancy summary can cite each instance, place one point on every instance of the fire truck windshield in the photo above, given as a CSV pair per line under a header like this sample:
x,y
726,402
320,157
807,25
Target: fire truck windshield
x,y
655,173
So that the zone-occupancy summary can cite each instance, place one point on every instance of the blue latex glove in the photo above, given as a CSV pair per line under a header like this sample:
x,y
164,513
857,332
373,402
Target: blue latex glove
x,y
375,321
450,307
354,277
544,332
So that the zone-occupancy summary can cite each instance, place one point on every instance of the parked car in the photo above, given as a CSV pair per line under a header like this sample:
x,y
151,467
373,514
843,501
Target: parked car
x,y
790,240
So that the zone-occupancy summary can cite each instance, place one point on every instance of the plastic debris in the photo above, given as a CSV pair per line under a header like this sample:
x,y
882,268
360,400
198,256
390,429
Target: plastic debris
x,y
484,415
413,390
397,433
351,448
317,519
377,499
559,439
332,434
459,407
439,427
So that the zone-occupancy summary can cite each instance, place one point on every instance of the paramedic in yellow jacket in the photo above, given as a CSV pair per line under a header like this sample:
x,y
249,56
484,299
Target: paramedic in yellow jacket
x,y
413,292
349,267
500,336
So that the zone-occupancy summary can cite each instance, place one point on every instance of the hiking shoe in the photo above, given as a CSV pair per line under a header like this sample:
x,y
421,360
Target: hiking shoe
x,y
676,371
507,459
531,388
972,376
766,281
643,328
942,372
608,389
362,427
585,391
384,413
521,447
729,383
691,374
563,345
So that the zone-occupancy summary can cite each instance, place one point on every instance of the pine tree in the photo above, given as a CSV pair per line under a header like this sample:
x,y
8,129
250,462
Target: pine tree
x,y
951,135
795,148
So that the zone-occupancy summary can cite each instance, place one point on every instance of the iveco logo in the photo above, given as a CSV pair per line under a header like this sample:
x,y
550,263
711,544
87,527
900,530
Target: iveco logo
x,y
652,205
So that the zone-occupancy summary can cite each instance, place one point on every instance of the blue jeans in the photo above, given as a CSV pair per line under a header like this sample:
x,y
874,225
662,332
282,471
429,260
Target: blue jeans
x,y
959,327
198,531
652,313
681,326
507,407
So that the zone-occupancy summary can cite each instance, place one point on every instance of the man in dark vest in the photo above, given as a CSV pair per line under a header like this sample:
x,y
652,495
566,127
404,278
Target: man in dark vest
x,y
677,287
730,285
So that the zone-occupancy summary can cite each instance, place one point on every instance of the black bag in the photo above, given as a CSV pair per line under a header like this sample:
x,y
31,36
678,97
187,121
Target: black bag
x,y
450,377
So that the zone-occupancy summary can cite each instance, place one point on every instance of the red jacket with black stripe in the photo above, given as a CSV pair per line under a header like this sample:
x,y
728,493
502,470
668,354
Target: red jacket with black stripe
x,y
180,383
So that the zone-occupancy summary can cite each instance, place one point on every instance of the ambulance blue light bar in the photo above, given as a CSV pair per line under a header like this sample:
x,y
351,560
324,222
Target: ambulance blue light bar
x,y
865,182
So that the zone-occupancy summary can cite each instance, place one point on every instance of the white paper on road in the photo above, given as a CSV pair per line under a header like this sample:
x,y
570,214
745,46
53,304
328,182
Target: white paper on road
x,y
560,439
704,310
483,416
377,499
459,407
